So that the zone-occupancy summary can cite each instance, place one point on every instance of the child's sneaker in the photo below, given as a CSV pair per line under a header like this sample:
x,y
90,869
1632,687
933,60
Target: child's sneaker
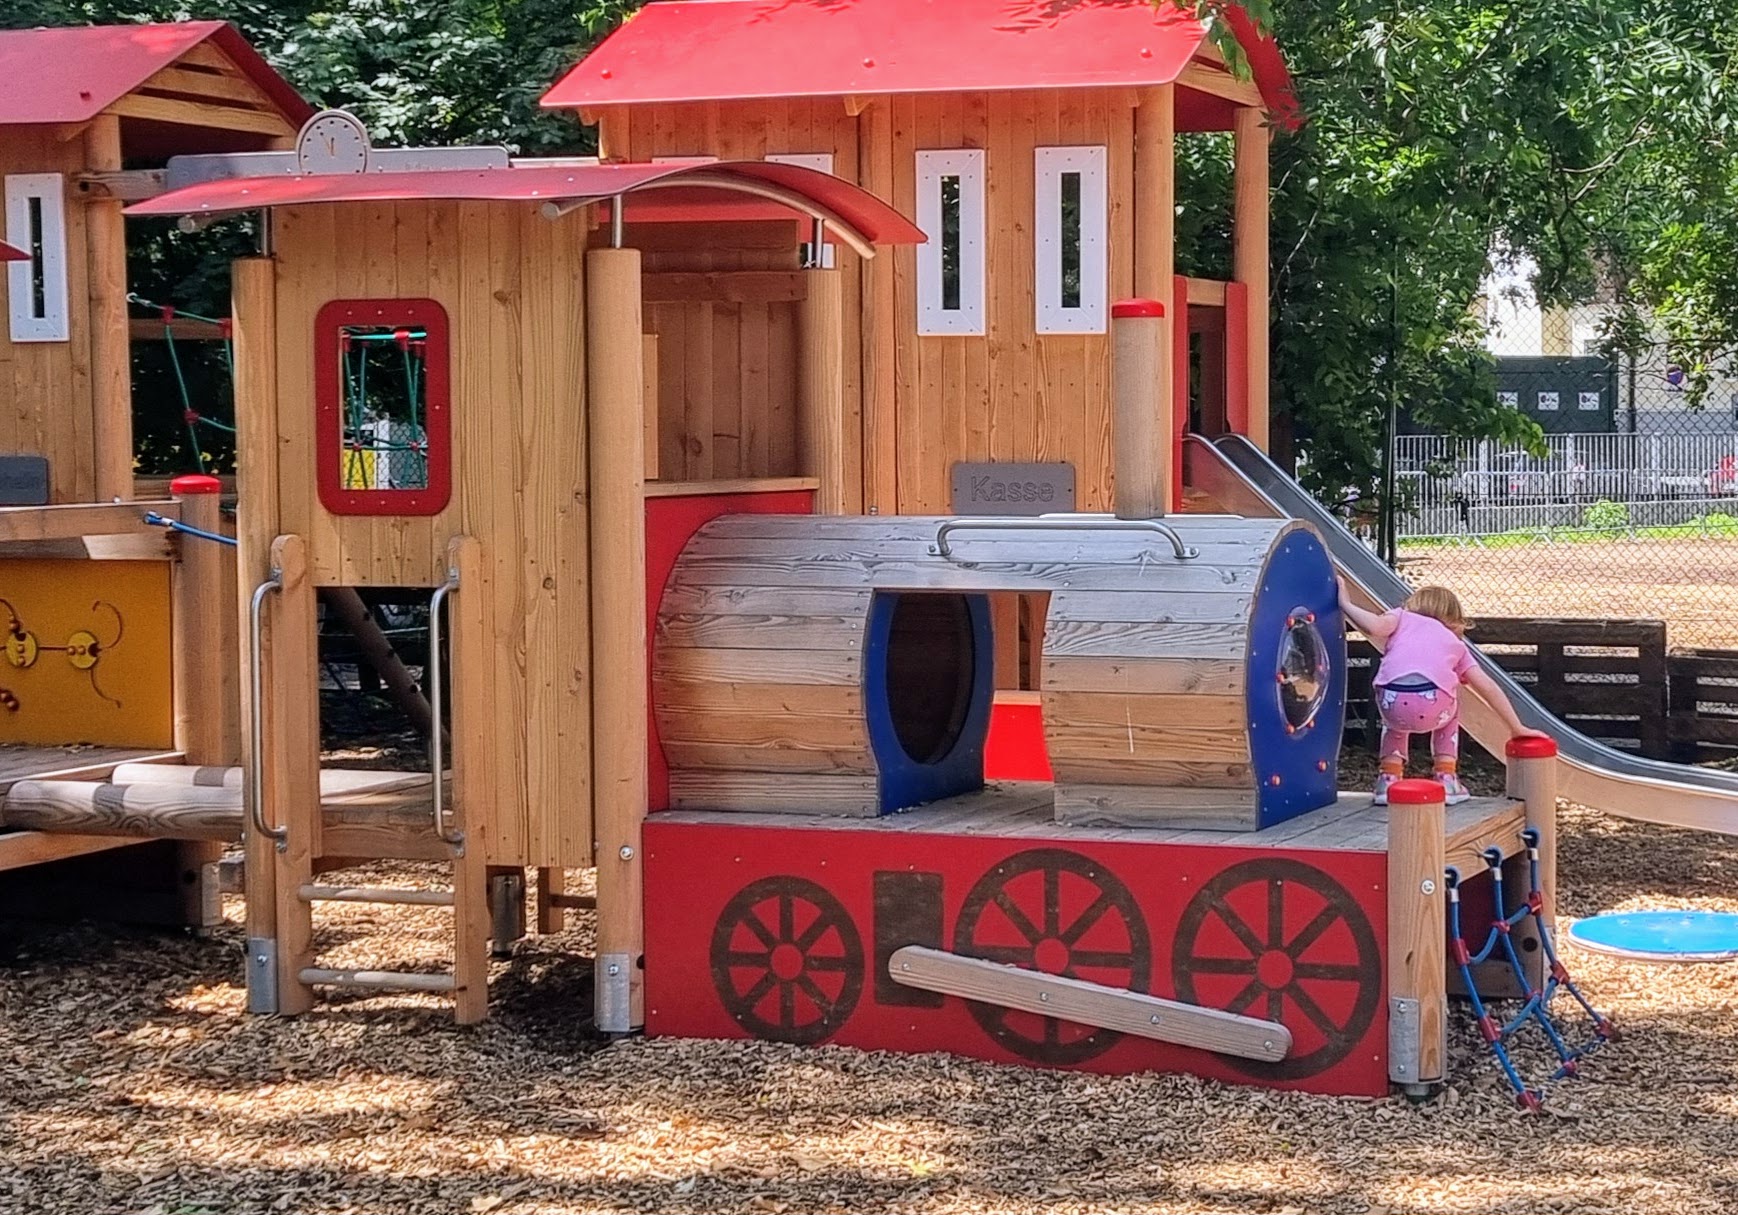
x,y
1383,781
1455,791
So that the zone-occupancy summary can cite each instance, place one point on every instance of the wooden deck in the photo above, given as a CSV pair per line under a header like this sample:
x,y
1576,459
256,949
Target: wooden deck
x,y
1025,811
21,848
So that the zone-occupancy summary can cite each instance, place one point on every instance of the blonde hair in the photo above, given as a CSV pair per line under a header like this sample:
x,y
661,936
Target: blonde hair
x,y
1439,603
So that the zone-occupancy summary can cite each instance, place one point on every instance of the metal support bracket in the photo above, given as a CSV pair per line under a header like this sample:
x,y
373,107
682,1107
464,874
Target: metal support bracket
x,y
262,975
614,983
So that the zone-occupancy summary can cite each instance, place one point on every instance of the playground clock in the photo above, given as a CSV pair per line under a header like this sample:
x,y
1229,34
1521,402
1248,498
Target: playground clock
x,y
333,141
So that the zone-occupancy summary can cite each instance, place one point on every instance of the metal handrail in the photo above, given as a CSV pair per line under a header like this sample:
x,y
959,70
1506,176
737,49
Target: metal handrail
x,y
256,702
437,712
1184,552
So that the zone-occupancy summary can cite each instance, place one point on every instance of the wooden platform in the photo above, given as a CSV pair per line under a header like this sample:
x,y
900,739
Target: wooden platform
x,y
21,848
1024,811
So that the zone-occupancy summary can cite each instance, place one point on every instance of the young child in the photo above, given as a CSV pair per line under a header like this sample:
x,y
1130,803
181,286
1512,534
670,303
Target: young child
x,y
1417,686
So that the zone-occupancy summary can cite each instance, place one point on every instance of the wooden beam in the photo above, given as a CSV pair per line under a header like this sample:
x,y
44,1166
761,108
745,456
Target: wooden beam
x,y
78,520
821,387
620,710
124,185
470,874
649,371
200,114
198,82
1204,79
207,724
21,849
742,485
182,329
855,104
1141,417
726,287
111,356
1206,292
1086,1003
1155,214
1249,256
182,812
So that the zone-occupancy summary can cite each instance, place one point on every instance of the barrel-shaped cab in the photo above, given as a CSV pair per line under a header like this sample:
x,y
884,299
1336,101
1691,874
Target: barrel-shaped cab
x,y
843,665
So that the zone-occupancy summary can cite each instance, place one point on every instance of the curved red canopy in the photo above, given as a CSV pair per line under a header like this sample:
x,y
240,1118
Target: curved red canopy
x,y
733,190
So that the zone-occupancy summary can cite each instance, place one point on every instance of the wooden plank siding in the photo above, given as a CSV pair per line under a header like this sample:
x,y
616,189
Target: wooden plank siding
x,y
513,286
914,405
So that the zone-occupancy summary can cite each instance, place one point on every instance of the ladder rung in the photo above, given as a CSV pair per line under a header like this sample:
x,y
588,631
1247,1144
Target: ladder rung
x,y
376,894
316,976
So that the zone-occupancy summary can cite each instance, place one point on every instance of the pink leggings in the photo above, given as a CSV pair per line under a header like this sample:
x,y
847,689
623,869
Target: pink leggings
x,y
1409,707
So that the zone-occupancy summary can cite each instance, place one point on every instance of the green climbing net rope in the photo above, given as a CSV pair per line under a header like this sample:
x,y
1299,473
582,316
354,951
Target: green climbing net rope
x,y
190,416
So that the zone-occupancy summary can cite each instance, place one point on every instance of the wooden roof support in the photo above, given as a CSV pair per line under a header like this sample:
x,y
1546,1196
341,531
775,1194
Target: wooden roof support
x,y
111,363
1155,205
1249,255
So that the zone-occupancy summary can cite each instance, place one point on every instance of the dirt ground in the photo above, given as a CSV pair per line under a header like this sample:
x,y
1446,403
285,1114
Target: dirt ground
x,y
132,1082
1692,585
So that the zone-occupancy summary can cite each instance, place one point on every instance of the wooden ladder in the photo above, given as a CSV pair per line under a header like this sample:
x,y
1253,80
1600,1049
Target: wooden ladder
x,y
286,838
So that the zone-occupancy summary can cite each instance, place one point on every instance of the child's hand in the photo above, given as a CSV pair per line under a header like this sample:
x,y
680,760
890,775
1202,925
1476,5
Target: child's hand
x,y
1523,732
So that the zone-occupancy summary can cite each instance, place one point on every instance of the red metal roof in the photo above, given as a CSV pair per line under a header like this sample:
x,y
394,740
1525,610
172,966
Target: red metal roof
x,y
9,253
74,74
723,189
705,50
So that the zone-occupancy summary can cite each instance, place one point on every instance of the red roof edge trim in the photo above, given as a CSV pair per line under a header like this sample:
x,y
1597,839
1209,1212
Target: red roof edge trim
x,y
10,253
1267,65
228,39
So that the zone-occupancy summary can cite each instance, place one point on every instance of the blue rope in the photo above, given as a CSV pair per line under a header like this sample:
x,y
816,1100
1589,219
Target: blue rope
x,y
175,525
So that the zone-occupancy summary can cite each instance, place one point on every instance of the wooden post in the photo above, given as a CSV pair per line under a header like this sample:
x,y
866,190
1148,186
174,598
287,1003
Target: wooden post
x,y
110,343
1249,256
254,296
291,759
821,357
1417,935
1155,207
1532,779
620,709
471,649
204,716
551,915
1141,420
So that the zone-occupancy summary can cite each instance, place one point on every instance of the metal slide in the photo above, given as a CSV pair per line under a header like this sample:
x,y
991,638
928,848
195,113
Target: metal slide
x,y
1240,478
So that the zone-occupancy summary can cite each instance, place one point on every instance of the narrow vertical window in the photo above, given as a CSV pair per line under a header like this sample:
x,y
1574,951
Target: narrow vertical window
x,y
1070,239
950,263
36,288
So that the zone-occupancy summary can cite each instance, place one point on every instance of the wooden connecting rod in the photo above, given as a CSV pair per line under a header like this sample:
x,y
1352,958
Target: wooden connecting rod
x,y
1127,1012
1417,935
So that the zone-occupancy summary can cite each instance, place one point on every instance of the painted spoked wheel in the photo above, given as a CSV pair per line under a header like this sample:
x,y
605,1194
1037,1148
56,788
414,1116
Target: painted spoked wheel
x,y
1283,941
1057,912
786,960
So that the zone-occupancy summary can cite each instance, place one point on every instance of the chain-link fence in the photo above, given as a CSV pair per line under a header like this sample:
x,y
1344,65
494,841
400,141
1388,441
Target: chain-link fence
x,y
1631,512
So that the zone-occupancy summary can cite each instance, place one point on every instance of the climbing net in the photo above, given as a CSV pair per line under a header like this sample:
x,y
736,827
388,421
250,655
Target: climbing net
x,y
190,415
1536,1010
383,439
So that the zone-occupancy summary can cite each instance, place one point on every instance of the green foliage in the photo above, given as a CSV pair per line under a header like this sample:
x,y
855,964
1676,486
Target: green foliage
x,y
1605,514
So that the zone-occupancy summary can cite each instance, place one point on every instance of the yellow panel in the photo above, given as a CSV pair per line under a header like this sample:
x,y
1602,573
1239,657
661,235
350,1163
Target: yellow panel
x,y
86,653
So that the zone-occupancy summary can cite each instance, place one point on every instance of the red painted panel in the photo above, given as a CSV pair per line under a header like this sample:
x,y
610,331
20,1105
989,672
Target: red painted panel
x,y
781,932
1015,749
670,524
1237,358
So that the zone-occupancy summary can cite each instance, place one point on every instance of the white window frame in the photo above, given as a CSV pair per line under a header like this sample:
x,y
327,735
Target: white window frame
x,y
821,162
54,325
1093,165
967,320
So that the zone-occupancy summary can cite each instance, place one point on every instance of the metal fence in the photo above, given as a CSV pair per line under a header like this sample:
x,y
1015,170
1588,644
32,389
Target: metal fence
x,y
1630,513
1460,488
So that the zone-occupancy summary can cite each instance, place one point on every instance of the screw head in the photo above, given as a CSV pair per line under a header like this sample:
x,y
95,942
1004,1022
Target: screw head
x,y
627,853
1427,886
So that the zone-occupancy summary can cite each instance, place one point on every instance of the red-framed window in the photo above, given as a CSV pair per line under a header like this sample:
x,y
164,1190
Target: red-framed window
x,y
383,396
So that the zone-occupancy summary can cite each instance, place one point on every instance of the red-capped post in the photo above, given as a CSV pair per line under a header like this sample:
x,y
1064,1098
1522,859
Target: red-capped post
x,y
1532,779
1141,414
1417,935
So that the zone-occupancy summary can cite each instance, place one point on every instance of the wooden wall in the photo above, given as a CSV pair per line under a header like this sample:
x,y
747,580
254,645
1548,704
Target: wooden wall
x,y
727,381
513,286
915,405
46,397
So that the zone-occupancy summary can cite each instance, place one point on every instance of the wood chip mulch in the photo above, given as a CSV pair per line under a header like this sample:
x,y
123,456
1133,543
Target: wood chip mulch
x,y
132,1082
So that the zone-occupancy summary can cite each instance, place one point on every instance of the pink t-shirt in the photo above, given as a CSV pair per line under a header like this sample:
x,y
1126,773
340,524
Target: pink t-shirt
x,y
1423,645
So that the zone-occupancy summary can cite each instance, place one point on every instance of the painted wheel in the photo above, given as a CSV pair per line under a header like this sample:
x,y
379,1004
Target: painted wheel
x,y
1054,911
787,961
1282,940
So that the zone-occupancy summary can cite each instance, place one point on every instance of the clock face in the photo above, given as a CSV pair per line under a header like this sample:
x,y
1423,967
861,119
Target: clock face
x,y
333,142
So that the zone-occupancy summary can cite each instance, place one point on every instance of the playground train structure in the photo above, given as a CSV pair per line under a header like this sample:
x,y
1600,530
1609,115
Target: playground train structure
x,y
809,542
